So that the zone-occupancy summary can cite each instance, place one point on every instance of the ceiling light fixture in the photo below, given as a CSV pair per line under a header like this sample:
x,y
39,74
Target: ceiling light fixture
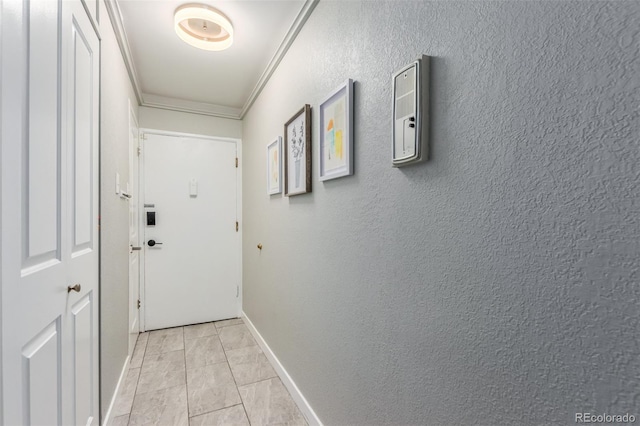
x,y
203,27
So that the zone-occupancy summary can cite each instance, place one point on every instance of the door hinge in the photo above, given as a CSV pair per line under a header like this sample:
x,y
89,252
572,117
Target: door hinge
x,y
236,162
237,226
143,136
139,151
138,303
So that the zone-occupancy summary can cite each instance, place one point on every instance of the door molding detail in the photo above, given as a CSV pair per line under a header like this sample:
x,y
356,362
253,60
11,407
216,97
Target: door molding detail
x,y
148,131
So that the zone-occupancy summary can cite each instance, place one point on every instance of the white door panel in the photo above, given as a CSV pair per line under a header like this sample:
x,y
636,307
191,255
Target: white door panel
x,y
49,123
41,131
82,107
92,8
193,276
42,401
83,357
82,155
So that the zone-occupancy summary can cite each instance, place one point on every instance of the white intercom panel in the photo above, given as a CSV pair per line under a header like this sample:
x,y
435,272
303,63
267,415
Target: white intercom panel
x,y
411,113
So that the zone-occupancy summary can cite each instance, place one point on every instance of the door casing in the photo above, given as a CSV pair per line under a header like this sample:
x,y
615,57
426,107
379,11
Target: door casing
x,y
134,234
141,197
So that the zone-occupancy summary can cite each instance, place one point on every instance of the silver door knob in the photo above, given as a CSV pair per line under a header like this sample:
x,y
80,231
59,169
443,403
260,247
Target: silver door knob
x,y
75,288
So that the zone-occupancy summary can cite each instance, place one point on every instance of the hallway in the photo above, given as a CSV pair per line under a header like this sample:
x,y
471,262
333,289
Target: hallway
x,y
497,282
204,374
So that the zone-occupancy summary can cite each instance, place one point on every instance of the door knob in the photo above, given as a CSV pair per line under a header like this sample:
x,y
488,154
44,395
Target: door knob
x,y
260,246
152,243
75,288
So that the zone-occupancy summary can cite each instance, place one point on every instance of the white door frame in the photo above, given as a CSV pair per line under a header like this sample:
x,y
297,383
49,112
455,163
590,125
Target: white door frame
x,y
238,142
134,188
1,210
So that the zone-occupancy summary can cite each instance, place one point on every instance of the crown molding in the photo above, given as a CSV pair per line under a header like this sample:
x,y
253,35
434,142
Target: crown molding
x,y
182,105
115,16
286,43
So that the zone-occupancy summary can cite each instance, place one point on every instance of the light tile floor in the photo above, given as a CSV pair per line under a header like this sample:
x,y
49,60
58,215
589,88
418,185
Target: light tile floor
x,y
202,375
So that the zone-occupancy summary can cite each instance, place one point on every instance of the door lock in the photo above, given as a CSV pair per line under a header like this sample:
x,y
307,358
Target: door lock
x,y
152,243
151,218
135,248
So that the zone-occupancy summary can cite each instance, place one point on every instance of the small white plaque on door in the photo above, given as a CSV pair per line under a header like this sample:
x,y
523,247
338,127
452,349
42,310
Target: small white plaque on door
x,y
193,187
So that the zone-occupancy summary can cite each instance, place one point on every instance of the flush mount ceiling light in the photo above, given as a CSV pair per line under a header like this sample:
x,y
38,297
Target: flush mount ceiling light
x,y
203,27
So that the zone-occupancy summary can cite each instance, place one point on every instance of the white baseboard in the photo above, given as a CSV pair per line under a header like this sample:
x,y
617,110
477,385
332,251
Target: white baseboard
x,y
123,374
297,396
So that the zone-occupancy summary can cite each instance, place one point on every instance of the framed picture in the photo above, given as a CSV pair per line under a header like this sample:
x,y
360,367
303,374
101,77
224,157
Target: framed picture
x,y
297,153
274,167
336,133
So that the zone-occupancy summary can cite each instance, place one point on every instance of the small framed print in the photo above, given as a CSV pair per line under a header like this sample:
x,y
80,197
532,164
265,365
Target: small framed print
x,y
336,133
274,167
297,153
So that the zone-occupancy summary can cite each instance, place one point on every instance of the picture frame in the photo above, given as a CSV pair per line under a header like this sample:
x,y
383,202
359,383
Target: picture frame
x,y
335,148
297,153
274,167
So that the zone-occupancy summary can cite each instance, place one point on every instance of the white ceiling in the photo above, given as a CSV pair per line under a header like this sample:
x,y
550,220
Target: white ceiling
x,y
172,74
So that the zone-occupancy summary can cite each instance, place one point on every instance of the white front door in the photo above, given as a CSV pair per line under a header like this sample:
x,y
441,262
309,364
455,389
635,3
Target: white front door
x,y
192,262
50,97
134,236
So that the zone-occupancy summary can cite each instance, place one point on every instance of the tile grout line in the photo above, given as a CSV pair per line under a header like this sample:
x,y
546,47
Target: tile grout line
x,y
226,361
189,417
234,378
215,411
135,391
264,380
186,380
144,363
184,340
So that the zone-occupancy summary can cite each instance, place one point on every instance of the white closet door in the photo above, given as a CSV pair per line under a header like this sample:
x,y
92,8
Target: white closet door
x,y
50,98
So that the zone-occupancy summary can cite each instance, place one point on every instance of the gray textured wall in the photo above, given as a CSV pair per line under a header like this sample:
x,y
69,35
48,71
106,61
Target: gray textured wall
x,y
496,284
114,212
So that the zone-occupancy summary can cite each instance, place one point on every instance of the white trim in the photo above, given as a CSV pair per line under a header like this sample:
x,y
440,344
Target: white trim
x,y
133,121
183,105
297,396
2,142
125,369
115,16
286,43
94,19
238,142
173,104
239,219
188,135
142,326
